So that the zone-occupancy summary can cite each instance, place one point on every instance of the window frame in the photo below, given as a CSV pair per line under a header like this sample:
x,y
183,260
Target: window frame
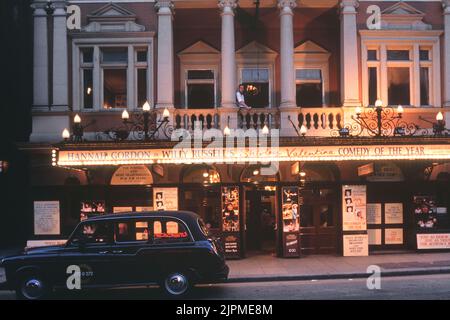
x,y
266,66
318,58
188,81
412,40
133,44
321,82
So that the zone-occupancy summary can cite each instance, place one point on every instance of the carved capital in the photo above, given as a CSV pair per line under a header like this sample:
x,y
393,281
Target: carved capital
x,y
227,4
446,6
164,7
287,3
348,6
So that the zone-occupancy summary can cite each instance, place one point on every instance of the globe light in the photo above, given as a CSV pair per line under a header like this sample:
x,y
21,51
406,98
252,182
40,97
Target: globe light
x,y
303,130
265,130
125,115
146,106
400,109
76,119
65,134
358,110
166,113
379,103
439,116
226,131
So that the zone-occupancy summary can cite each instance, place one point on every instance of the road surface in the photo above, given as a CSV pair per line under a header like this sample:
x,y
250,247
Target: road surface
x,y
433,287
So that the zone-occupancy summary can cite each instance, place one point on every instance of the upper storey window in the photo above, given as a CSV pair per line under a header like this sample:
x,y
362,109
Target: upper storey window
x,y
111,71
401,61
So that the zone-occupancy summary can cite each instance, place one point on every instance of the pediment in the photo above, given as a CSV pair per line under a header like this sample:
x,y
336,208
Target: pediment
x,y
112,18
402,8
403,16
309,47
199,47
255,47
111,10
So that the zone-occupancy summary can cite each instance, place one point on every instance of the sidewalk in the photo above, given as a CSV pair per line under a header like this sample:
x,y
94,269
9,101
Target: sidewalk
x,y
270,268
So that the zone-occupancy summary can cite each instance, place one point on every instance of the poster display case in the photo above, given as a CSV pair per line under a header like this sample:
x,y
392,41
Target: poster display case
x,y
432,223
291,222
89,208
354,220
231,221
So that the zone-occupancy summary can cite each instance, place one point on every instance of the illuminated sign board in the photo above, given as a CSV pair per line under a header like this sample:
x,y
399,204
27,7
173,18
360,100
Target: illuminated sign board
x,y
251,154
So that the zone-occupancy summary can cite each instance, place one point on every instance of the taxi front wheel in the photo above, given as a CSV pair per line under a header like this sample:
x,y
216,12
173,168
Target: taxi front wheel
x,y
32,287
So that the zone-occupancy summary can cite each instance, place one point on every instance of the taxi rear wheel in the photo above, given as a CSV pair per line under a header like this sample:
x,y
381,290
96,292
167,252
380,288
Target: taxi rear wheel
x,y
177,284
32,287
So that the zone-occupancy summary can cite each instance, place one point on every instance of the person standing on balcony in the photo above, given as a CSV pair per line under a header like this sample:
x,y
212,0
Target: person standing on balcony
x,y
241,98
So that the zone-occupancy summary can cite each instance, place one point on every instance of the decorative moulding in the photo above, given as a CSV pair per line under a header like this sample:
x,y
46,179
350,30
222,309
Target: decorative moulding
x,y
112,18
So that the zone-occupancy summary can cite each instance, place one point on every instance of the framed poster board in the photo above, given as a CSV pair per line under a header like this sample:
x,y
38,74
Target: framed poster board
x,y
373,213
356,245
165,199
231,221
433,241
291,222
393,213
46,218
354,208
374,236
393,236
122,209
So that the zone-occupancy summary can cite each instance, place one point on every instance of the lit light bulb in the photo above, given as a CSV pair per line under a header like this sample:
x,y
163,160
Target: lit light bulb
x,y
358,110
226,131
89,90
255,172
65,134
399,109
205,174
265,130
302,174
125,115
439,116
146,106
166,113
76,119
303,130
378,103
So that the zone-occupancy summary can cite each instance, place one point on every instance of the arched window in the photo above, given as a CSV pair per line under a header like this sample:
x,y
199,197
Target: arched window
x,y
200,174
257,174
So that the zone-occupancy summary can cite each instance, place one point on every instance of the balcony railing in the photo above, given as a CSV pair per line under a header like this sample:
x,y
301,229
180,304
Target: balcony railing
x,y
292,122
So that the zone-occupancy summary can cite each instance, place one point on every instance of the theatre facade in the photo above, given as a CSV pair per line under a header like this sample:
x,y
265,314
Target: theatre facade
x,y
345,150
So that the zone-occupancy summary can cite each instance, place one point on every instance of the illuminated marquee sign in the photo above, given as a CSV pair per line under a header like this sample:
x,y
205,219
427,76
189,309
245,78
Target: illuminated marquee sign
x,y
240,155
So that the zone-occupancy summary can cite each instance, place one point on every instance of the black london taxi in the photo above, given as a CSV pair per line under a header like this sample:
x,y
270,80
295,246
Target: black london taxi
x,y
171,249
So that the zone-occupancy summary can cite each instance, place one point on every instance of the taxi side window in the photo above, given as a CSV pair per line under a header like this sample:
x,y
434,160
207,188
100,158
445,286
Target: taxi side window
x,y
94,233
132,231
169,231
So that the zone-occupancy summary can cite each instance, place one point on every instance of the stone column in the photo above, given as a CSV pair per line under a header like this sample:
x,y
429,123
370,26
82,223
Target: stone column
x,y
60,65
349,55
40,56
228,70
165,70
287,53
446,60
